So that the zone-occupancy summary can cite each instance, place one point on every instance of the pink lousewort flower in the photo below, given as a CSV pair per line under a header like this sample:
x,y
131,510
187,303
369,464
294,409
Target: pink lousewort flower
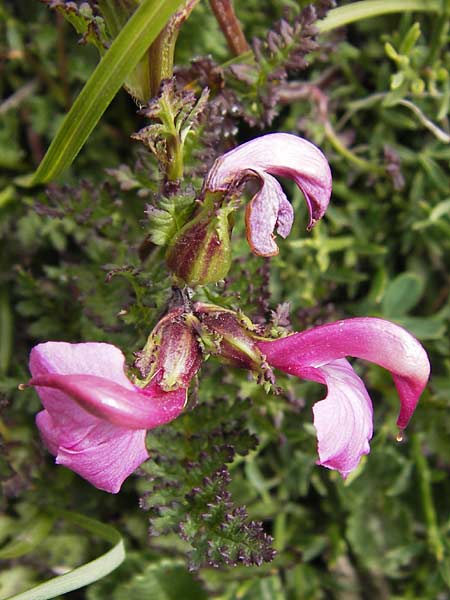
x,y
281,154
95,418
343,420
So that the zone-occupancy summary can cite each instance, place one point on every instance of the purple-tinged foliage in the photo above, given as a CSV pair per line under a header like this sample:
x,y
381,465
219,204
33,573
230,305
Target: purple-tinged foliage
x,y
189,493
285,50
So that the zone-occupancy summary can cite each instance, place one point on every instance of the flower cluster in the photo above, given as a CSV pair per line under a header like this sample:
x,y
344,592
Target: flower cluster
x,y
96,415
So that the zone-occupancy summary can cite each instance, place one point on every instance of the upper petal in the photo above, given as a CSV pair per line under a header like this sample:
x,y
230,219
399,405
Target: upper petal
x,y
133,409
92,382
376,340
281,154
88,358
343,420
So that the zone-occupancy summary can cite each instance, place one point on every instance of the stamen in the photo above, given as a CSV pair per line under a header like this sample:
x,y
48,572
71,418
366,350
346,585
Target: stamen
x,y
22,386
399,437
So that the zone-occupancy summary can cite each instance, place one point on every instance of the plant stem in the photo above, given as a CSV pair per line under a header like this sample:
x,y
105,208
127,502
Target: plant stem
x,y
230,25
363,164
163,48
426,495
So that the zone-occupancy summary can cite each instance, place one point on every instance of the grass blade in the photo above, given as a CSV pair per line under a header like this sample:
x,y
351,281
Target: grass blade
x,y
343,15
88,573
104,83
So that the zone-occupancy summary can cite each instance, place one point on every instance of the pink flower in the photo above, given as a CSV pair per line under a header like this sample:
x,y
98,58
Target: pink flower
x,y
343,420
95,419
280,154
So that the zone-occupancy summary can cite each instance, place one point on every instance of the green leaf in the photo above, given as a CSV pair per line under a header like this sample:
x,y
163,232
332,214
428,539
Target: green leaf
x,y
122,57
264,588
410,39
424,328
402,294
85,22
435,172
356,11
169,217
6,329
16,578
444,570
164,580
440,210
88,573
28,538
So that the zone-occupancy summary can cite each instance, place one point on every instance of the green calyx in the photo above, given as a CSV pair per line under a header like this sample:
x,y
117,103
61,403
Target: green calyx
x,y
200,253
231,337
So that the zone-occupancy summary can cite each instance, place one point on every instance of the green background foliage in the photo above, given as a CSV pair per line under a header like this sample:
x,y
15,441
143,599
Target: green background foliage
x,y
76,264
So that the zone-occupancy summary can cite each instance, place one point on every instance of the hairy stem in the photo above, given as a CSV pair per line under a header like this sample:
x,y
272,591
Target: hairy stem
x,y
230,25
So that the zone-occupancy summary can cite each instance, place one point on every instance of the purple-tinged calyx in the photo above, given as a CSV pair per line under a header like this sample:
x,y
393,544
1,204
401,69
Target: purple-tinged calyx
x,y
231,338
200,253
280,154
172,353
343,420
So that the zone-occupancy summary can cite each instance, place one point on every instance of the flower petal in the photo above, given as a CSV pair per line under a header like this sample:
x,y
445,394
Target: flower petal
x,y
281,154
376,340
101,453
81,372
89,358
133,409
269,208
285,217
343,420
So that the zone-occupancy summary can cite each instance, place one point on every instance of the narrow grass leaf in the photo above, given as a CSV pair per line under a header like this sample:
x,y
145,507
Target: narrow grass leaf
x,y
86,574
356,11
122,57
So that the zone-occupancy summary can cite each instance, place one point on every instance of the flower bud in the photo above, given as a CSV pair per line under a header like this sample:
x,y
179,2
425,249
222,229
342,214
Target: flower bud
x,y
172,354
200,253
232,338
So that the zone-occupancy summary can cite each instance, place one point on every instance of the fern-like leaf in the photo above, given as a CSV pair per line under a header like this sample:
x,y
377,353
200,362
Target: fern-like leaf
x,y
187,481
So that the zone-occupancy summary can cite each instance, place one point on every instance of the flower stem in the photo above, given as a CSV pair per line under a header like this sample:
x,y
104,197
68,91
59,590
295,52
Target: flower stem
x,y
363,164
424,476
175,168
356,11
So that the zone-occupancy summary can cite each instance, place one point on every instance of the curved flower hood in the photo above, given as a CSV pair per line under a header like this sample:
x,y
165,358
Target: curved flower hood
x,y
281,154
343,420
